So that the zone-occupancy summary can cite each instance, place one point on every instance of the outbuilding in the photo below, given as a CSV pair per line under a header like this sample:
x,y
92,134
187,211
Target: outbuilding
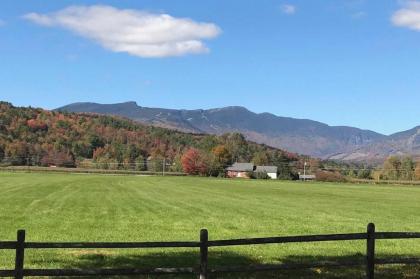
x,y
270,170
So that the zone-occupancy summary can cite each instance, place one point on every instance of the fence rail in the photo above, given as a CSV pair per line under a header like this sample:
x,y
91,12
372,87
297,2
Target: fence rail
x,y
204,244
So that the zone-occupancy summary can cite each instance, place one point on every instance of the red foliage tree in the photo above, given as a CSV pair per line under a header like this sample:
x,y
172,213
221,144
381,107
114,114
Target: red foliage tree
x,y
36,125
193,162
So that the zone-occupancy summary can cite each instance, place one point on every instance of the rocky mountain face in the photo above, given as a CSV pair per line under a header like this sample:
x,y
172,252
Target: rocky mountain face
x,y
399,144
296,135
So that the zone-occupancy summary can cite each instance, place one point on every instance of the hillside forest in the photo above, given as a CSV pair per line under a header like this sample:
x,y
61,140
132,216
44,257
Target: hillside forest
x,y
37,137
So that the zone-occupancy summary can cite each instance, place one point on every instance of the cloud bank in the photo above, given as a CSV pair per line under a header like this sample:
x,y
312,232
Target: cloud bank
x,y
135,32
408,16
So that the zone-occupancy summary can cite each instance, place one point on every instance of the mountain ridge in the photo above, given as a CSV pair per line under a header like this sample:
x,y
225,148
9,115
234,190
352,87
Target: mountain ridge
x,y
304,136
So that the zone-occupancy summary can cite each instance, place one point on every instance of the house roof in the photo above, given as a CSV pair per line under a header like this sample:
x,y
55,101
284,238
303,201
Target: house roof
x,y
267,169
241,167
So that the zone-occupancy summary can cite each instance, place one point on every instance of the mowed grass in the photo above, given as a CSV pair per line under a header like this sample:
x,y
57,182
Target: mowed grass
x,y
78,207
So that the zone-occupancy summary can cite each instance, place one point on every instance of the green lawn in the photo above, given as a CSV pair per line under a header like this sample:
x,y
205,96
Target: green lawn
x,y
79,207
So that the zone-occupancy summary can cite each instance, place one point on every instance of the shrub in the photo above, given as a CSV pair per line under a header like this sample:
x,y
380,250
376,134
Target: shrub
x,y
261,175
258,175
288,176
329,176
59,159
364,174
251,174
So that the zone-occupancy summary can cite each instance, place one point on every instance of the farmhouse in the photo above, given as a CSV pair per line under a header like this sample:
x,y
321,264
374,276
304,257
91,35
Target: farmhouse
x,y
240,170
244,169
270,170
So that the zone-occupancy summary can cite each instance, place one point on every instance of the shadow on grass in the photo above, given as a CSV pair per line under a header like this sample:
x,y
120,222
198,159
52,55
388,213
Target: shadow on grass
x,y
97,259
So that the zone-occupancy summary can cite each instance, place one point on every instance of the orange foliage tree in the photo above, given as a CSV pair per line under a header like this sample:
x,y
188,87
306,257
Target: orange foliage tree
x,y
222,155
193,162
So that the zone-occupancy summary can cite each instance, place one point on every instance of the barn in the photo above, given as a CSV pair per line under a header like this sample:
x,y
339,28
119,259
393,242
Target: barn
x,y
240,170
245,169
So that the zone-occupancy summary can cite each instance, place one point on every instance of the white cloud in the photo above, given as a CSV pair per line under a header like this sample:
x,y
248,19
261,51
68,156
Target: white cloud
x,y
408,16
136,32
288,9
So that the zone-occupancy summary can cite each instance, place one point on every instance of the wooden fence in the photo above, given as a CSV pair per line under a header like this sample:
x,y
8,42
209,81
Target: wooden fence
x,y
202,271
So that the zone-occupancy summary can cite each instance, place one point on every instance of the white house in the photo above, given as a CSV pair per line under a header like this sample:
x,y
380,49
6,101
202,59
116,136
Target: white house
x,y
270,170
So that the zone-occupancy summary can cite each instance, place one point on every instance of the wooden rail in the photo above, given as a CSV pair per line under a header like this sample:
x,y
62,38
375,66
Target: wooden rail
x,y
204,244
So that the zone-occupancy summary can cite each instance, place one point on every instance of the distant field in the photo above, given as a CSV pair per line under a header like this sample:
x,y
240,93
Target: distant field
x,y
82,207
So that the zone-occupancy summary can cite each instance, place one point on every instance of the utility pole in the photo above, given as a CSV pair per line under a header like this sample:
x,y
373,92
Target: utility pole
x,y
304,171
163,167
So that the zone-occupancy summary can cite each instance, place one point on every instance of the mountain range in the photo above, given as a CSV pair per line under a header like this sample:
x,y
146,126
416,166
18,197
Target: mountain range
x,y
302,136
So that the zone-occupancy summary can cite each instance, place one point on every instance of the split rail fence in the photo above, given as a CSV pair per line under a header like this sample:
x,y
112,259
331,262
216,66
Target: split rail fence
x,y
203,270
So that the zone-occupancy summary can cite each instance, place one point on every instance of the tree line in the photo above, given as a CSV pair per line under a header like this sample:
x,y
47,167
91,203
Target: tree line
x,y
38,137
395,168
399,168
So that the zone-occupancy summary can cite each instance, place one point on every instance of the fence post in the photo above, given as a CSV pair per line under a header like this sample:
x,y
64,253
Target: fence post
x,y
204,237
370,251
20,254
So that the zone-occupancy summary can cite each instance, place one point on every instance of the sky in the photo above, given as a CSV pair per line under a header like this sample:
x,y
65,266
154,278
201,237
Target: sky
x,y
346,62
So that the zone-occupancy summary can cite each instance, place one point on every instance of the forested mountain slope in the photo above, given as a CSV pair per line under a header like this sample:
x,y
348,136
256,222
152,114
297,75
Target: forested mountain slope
x,y
40,137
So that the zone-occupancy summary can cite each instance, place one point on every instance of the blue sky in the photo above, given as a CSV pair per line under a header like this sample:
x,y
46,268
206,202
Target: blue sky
x,y
348,62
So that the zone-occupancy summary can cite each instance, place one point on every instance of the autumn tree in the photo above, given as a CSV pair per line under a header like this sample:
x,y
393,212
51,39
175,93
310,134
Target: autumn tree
x,y
237,146
364,173
284,162
193,163
36,125
140,163
392,168
103,158
155,163
222,155
417,171
17,153
260,158
313,165
407,168
130,154
58,158
176,165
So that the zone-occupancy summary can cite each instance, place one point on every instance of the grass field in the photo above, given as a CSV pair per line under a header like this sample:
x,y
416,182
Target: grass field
x,y
78,207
